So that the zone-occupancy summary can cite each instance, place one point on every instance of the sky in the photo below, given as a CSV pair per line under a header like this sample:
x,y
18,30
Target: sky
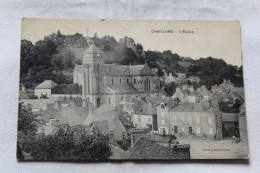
x,y
195,39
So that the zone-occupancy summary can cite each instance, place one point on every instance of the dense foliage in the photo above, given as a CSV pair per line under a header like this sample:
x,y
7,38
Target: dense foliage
x,y
69,143
26,121
67,89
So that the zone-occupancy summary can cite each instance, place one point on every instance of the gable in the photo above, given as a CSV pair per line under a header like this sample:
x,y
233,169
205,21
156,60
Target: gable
x,y
147,71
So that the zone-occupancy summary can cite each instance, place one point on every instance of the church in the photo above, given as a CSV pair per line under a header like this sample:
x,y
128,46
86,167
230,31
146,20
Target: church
x,y
111,83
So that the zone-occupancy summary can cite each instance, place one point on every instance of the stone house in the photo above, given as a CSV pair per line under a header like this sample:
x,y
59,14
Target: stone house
x,y
145,117
189,119
170,78
44,88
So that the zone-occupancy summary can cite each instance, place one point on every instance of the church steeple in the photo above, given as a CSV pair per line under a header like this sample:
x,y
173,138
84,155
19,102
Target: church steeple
x,y
93,55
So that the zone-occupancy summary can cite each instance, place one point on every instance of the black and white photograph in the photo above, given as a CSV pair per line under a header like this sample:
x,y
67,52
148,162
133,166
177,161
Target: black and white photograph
x,y
131,90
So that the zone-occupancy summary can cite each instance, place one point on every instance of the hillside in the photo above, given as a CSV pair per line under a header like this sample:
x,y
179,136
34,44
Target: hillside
x,y
58,54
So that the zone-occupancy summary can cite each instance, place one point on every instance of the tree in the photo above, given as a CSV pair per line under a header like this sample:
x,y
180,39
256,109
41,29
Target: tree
x,y
57,63
26,120
170,89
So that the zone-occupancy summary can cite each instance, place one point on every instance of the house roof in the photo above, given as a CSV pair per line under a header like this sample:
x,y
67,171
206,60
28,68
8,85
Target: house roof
x,y
144,148
123,89
110,114
190,107
216,87
47,84
118,153
102,126
124,120
229,117
155,100
93,49
185,91
146,109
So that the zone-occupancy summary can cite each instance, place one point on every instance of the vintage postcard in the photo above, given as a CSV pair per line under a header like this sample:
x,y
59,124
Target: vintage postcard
x,y
131,90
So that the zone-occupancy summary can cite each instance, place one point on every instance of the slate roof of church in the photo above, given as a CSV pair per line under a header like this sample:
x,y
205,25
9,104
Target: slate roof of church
x,y
93,50
116,70
123,89
136,69
47,84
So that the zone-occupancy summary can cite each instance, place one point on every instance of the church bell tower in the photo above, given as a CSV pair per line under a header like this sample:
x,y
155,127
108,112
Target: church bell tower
x,y
92,75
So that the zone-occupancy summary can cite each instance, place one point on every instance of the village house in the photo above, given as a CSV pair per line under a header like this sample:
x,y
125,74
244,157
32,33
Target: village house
x,y
189,119
227,85
145,117
194,79
107,118
44,89
187,94
170,78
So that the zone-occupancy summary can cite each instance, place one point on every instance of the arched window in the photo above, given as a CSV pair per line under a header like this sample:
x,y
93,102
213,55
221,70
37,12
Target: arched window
x,y
109,101
127,80
120,81
112,81
134,80
147,85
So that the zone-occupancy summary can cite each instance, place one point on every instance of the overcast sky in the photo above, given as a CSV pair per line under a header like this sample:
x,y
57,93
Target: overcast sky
x,y
218,39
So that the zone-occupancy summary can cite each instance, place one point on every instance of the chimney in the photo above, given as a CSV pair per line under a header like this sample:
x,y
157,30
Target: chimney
x,y
170,74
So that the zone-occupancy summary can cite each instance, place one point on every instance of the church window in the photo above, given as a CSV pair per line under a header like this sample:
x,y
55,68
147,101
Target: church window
x,y
120,81
112,81
109,101
134,80
127,80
